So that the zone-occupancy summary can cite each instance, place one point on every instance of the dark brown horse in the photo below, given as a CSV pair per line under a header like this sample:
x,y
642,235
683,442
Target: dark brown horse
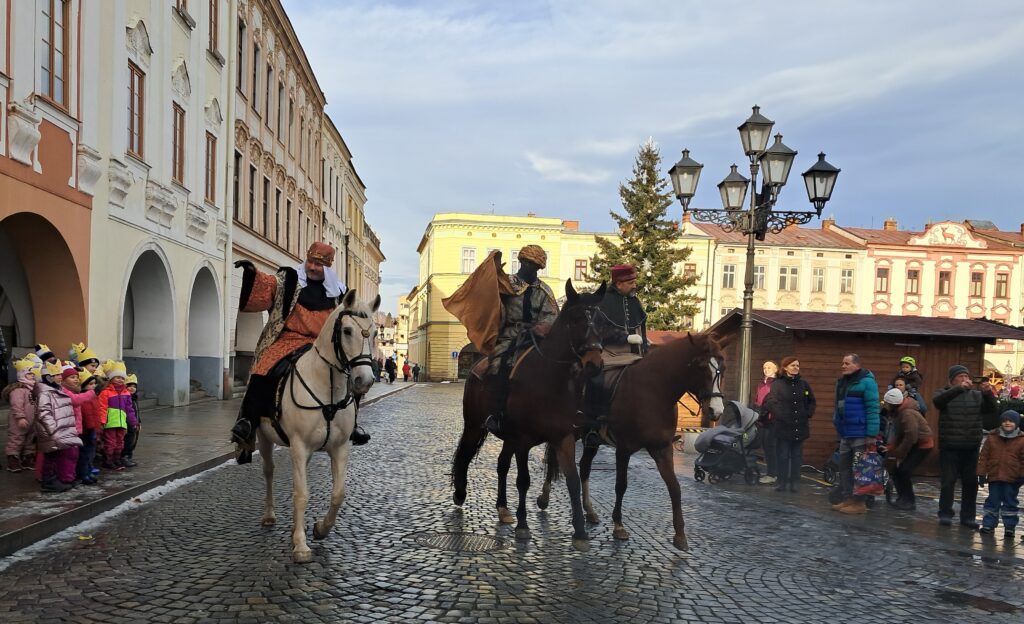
x,y
643,416
541,408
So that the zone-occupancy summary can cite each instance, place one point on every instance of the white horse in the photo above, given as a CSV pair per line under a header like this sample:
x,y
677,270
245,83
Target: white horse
x,y
318,413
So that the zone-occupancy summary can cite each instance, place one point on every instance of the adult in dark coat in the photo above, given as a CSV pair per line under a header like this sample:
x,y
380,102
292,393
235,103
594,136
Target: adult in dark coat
x,y
792,403
961,410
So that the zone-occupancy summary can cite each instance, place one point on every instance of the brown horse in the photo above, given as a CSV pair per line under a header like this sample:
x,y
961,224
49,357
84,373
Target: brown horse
x,y
541,407
643,416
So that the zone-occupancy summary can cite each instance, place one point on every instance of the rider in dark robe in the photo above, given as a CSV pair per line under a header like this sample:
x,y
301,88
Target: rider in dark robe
x,y
530,307
299,299
624,340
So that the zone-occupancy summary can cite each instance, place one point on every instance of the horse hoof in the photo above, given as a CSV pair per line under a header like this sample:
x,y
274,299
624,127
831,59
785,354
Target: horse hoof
x,y
522,535
620,533
542,502
302,556
679,541
593,518
505,516
319,532
458,498
581,545
268,521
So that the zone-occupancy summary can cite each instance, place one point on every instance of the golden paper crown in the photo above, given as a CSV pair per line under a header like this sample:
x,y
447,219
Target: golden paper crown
x,y
131,379
53,370
117,369
83,353
84,376
106,366
23,365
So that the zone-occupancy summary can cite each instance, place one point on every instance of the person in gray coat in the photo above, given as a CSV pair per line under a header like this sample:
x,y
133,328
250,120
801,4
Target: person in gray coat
x,y
961,409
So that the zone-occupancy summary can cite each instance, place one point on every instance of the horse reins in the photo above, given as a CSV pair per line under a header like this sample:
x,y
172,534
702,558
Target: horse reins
x,y
594,345
344,366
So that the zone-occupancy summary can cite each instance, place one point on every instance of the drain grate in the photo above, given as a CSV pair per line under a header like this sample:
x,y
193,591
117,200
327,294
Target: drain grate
x,y
460,542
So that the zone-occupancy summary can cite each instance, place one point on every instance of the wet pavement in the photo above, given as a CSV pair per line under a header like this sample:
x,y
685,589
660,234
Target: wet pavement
x,y
402,552
175,442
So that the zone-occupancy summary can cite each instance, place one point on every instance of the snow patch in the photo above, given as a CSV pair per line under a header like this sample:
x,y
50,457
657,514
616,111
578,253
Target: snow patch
x,y
88,527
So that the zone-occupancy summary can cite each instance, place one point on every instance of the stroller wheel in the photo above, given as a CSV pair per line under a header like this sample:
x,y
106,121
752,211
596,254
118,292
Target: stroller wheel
x,y
830,475
726,476
713,477
751,476
698,474
890,491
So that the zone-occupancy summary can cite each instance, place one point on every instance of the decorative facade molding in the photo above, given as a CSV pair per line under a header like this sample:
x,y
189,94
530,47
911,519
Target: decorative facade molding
x,y
89,170
222,234
214,118
120,180
180,83
197,222
139,48
23,131
160,204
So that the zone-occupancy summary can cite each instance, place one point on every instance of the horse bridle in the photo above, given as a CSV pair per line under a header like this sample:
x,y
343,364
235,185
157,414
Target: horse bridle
x,y
591,345
344,366
716,382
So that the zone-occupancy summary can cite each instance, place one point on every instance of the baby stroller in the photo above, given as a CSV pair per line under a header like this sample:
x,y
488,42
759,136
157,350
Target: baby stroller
x,y
725,450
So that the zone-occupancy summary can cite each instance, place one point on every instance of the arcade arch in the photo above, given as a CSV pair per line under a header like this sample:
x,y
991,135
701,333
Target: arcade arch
x,y
204,330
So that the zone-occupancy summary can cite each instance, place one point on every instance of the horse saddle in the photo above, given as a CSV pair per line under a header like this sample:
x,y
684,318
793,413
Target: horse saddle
x,y
277,377
479,370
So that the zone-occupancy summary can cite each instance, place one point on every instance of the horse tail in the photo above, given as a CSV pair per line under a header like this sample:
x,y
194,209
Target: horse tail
x,y
552,461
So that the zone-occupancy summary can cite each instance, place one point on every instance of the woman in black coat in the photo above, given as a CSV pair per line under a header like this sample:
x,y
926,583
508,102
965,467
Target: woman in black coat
x,y
792,403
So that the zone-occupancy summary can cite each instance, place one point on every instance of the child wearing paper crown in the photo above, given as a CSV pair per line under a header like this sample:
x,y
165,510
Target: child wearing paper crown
x,y
21,421
116,415
131,438
55,428
90,430
1001,464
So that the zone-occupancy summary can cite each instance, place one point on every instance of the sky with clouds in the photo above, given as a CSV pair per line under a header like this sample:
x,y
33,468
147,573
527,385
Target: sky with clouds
x,y
540,105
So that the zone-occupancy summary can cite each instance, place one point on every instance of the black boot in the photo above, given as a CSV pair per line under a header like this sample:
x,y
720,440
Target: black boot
x,y
498,393
595,406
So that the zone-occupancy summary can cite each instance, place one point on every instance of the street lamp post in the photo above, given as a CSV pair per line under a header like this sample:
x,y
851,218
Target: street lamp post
x,y
774,162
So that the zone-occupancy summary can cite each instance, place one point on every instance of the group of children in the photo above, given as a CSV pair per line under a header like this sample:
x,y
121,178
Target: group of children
x,y
65,413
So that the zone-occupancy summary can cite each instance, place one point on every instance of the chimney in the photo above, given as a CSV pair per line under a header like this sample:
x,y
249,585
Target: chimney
x,y
686,218
572,226
890,225
828,222
1022,229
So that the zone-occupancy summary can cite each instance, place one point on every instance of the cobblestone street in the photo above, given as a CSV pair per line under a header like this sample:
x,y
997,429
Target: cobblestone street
x,y
198,553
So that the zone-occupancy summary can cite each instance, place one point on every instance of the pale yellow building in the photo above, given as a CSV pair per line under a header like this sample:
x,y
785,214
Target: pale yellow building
x,y
455,243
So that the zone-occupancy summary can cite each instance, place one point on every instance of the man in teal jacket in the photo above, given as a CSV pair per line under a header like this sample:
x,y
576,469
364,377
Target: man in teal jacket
x,y
856,421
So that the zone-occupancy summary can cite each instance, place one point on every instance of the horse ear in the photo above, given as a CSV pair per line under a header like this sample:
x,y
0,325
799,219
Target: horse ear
x,y
350,298
600,291
570,293
726,341
689,337
376,303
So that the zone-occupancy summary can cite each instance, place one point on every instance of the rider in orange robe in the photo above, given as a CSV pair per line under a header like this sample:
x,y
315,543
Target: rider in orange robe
x,y
299,299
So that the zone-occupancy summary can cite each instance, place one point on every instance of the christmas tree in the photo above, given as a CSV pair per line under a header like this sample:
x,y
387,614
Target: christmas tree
x,y
650,242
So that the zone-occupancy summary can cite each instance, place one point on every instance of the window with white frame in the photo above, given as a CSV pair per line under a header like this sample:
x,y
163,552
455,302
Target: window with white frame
x,y
1002,285
977,284
729,276
882,280
818,279
580,271
759,276
846,281
53,51
787,278
514,263
913,281
468,259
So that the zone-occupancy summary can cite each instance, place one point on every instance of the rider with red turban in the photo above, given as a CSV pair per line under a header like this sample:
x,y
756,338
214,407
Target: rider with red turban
x,y
299,299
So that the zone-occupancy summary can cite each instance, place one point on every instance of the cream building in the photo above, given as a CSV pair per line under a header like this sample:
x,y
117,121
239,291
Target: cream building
x,y
155,91
402,326
453,245
278,117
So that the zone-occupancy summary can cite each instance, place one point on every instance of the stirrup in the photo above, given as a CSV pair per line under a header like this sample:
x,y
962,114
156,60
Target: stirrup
x,y
243,455
493,424
592,439
359,437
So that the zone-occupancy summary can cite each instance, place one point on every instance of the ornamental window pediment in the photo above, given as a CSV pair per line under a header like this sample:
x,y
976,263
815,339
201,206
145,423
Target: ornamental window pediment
x,y
180,83
139,47
948,234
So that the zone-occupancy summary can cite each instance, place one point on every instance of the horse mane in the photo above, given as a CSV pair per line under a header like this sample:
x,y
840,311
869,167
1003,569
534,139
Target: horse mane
x,y
668,354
